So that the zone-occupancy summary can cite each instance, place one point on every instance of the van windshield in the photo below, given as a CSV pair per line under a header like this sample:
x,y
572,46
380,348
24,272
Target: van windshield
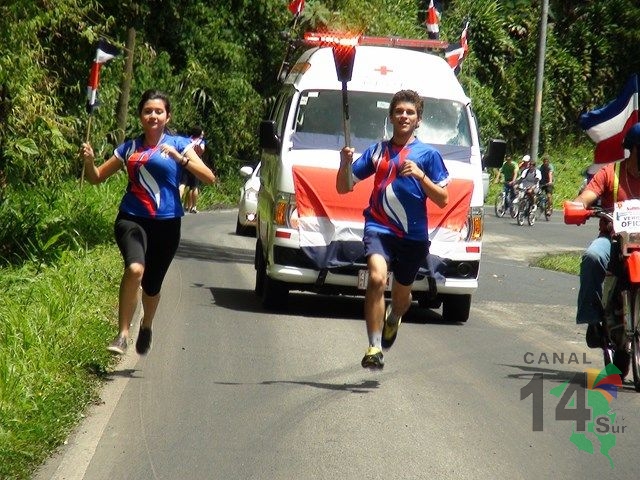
x,y
318,121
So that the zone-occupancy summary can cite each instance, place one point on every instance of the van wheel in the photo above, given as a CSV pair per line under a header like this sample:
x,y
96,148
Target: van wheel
x,y
275,294
455,308
261,269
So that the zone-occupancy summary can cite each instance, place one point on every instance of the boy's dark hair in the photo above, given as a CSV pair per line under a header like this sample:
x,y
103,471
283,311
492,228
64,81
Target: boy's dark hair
x,y
410,96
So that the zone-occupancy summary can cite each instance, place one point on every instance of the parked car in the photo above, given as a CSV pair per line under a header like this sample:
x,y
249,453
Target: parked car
x,y
248,203
486,176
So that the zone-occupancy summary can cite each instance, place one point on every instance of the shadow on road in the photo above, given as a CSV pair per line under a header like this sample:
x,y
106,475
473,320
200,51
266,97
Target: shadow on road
x,y
561,376
313,305
212,253
364,386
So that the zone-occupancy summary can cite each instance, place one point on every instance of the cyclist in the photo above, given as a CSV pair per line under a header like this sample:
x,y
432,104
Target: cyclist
x,y
524,164
617,181
530,181
547,178
509,172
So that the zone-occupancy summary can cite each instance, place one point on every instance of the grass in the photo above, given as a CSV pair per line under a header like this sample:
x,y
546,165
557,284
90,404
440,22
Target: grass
x,y
59,276
567,262
56,321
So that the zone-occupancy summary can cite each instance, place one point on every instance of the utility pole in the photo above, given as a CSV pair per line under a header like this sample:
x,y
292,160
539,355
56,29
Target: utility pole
x,y
537,109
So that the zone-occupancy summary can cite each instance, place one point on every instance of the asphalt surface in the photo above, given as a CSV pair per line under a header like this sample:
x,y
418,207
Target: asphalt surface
x,y
230,391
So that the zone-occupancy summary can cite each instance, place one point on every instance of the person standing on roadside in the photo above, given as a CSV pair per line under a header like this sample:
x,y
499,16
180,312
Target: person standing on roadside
x,y
189,180
147,227
407,172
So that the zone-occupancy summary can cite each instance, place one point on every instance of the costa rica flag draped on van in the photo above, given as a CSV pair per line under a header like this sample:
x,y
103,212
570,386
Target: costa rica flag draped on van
x,y
331,225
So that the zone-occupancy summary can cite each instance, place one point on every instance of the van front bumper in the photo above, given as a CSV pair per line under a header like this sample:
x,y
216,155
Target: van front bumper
x,y
292,266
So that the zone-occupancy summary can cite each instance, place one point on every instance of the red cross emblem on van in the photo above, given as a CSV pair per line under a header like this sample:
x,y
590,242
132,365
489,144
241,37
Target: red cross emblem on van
x,y
383,70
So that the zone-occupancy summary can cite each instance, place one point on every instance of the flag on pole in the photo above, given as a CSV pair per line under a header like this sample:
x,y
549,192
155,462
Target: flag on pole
x,y
104,53
432,21
607,125
296,7
456,52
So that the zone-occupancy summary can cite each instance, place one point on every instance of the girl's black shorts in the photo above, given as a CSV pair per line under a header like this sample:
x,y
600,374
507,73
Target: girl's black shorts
x,y
149,242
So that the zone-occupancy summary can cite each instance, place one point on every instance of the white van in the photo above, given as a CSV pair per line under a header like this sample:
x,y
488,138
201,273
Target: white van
x,y
308,237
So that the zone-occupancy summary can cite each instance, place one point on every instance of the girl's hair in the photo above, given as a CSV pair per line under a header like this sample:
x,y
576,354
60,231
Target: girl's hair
x,y
152,94
407,96
196,131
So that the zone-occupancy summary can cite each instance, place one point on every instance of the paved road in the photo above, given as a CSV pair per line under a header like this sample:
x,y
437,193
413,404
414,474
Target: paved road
x,y
232,392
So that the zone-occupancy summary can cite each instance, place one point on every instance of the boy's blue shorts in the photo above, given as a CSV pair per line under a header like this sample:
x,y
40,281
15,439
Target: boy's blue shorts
x,y
404,257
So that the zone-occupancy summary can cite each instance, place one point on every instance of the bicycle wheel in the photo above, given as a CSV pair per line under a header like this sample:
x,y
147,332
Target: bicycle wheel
x,y
520,215
513,210
499,207
531,215
635,340
540,208
548,209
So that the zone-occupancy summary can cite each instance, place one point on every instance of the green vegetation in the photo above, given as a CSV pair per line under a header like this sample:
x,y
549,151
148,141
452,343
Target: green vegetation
x,y
58,311
567,262
56,321
218,61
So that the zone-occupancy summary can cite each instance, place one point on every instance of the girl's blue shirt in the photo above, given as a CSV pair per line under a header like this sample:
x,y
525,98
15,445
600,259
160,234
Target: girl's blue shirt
x,y
154,178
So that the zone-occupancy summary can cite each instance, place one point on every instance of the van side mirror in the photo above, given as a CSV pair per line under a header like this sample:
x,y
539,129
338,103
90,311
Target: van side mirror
x,y
269,139
495,154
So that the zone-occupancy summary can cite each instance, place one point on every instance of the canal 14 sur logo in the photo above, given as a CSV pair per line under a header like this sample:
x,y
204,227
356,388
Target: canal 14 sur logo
x,y
584,399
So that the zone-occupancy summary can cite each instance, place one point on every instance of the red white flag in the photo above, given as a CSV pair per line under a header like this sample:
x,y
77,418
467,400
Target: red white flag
x,y
296,7
432,21
456,52
104,53
331,225
607,125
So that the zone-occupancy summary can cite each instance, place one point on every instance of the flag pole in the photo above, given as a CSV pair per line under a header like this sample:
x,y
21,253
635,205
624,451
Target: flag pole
x,y
86,139
288,49
104,53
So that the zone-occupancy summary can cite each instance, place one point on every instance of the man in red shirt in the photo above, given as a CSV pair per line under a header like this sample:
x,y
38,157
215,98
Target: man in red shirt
x,y
595,259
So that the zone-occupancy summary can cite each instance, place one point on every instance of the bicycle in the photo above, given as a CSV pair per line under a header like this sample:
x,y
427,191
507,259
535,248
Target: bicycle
x,y
500,206
620,309
526,208
543,208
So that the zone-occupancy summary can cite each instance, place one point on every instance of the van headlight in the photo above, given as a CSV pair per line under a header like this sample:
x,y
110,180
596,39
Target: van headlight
x,y
474,225
286,211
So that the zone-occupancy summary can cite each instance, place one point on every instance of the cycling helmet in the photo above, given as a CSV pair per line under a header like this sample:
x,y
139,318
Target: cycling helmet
x,y
526,158
632,137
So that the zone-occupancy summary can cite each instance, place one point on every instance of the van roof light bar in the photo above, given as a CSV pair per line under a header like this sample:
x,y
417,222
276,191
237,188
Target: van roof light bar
x,y
331,39
340,39
419,43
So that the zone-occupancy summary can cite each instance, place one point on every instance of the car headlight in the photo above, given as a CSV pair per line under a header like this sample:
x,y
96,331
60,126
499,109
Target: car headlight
x,y
251,195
